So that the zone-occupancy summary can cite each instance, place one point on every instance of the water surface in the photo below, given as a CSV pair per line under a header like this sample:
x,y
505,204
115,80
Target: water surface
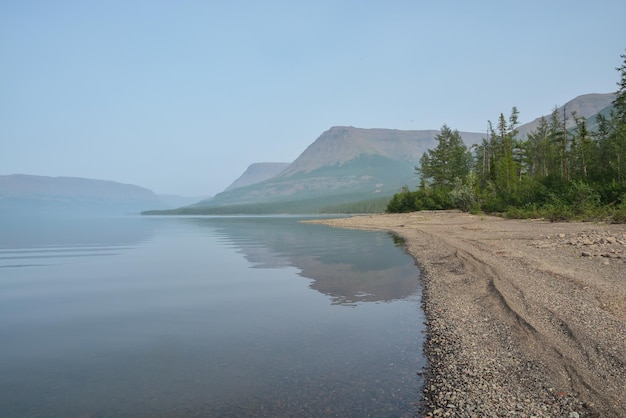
x,y
206,316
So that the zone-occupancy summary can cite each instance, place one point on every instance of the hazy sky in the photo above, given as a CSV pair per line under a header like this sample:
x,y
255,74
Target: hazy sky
x,y
181,96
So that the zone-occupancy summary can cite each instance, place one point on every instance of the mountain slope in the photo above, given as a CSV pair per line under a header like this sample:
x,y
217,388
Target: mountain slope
x,y
256,173
586,106
171,201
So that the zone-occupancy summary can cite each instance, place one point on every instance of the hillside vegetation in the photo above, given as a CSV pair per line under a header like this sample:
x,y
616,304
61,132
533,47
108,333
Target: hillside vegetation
x,y
566,168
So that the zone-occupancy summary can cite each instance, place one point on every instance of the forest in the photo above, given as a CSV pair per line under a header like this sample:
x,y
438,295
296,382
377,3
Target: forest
x,y
554,172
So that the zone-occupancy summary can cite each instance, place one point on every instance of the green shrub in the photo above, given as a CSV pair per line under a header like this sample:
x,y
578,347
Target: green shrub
x,y
528,211
581,197
462,196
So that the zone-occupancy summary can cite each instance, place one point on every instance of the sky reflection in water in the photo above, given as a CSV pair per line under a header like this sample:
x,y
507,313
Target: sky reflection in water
x,y
209,316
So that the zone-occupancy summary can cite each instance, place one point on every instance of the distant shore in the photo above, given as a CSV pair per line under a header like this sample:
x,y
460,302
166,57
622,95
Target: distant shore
x,y
524,318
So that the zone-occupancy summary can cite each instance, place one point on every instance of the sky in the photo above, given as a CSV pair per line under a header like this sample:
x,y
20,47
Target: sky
x,y
182,96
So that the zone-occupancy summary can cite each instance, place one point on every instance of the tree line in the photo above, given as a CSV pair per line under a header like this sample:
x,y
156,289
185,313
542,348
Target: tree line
x,y
554,172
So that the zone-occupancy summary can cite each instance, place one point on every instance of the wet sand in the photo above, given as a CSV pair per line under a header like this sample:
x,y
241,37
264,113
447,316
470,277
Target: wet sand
x,y
525,317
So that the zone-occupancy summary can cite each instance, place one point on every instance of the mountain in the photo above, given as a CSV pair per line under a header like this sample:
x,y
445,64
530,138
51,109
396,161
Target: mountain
x,y
171,201
41,195
342,144
257,173
586,106
344,165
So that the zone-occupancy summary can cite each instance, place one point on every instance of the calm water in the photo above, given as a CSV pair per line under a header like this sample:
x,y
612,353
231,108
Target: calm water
x,y
239,316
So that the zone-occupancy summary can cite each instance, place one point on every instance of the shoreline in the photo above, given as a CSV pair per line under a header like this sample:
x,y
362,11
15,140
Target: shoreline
x,y
524,317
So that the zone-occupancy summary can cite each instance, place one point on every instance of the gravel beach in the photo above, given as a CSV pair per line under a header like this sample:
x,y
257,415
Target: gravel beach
x,y
525,318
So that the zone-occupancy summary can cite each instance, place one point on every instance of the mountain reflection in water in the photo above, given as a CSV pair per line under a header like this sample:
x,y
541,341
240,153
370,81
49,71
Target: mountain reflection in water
x,y
371,271
206,316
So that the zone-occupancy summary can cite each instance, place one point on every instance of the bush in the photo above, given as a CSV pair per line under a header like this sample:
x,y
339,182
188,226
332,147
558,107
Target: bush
x,y
528,211
582,197
462,196
423,199
556,213
402,202
611,192
550,199
619,215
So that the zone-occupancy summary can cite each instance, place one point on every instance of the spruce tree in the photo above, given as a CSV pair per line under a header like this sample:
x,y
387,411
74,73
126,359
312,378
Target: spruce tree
x,y
620,100
448,161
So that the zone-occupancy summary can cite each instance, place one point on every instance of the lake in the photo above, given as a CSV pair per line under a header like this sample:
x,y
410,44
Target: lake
x,y
206,317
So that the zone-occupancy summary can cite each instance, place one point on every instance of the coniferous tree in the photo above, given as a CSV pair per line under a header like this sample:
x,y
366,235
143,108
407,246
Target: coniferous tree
x,y
602,136
505,167
584,150
540,149
482,162
619,125
611,134
558,137
620,100
449,160
554,172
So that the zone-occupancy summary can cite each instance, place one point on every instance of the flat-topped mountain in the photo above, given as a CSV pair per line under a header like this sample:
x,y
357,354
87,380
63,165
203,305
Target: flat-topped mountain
x,y
341,144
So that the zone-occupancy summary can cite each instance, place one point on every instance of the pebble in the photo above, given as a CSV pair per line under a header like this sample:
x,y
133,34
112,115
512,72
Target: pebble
x,y
595,244
476,382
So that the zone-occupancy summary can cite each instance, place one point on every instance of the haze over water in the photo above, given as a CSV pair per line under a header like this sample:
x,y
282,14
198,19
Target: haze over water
x,y
206,316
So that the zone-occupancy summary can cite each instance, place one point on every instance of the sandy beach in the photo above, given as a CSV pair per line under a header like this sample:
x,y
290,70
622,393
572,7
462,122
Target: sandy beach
x,y
525,318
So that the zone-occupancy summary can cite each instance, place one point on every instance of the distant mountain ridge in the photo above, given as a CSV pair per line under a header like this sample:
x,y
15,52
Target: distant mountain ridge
x,y
25,194
21,185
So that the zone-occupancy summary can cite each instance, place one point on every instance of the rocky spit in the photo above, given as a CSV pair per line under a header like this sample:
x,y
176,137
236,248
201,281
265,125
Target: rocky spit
x,y
524,318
